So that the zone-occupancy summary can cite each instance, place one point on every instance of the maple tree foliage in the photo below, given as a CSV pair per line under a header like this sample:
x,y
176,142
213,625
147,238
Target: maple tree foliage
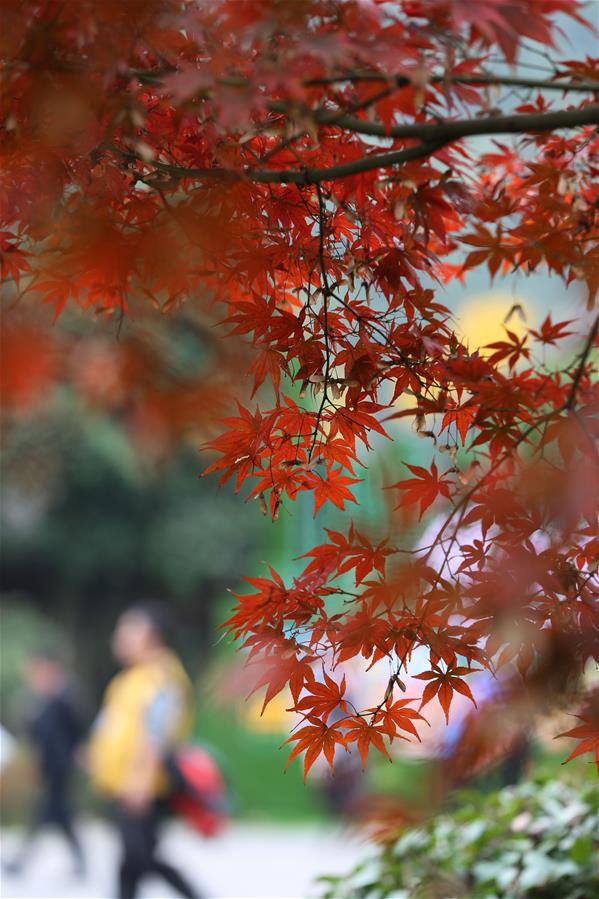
x,y
314,171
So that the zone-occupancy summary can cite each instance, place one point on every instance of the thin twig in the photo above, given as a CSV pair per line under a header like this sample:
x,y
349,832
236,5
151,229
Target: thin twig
x,y
326,291
583,358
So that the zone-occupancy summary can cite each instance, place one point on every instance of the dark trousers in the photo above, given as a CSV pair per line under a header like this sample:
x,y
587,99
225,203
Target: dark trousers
x,y
139,835
54,810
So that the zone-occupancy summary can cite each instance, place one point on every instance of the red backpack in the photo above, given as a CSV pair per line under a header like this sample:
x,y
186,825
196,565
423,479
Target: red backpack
x,y
200,792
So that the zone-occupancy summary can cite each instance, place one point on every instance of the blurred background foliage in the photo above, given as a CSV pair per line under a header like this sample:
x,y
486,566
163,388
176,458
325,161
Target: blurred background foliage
x,y
90,525
88,529
536,839
101,504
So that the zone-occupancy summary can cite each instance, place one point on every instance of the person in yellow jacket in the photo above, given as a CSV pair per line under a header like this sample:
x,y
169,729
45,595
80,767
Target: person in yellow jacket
x,y
145,716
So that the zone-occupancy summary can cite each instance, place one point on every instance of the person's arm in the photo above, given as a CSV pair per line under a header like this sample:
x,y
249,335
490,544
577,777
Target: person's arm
x,y
160,725
138,789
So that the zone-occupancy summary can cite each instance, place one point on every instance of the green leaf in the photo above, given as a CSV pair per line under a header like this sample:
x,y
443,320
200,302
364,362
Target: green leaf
x,y
582,850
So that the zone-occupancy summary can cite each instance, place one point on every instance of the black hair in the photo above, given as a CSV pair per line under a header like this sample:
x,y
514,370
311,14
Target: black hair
x,y
159,615
44,653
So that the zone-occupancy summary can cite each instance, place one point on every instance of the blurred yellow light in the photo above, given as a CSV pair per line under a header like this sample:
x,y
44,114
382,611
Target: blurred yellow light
x,y
480,320
273,720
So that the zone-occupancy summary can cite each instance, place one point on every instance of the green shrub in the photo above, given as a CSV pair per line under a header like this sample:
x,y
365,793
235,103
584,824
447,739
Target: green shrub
x,y
533,840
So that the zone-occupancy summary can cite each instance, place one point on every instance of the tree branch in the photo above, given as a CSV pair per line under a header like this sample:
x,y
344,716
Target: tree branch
x,y
345,169
156,75
433,137
399,81
452,130
581,366
326,293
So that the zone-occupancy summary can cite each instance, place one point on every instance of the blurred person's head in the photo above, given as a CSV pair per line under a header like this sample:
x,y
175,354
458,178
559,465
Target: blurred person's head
x,y
44,672
142,631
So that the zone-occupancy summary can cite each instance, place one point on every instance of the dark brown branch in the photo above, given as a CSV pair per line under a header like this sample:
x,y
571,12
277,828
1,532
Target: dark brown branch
x,y
345,169
448,131
433,137
581,365
581,86
155,76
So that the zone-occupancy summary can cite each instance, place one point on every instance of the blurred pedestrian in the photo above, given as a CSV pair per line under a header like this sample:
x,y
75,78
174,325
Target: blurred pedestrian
x,y
144,718
492,740
344,788
55,728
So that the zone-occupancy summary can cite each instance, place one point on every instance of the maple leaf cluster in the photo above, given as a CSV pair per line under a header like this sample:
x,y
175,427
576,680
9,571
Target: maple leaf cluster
x,y
306,169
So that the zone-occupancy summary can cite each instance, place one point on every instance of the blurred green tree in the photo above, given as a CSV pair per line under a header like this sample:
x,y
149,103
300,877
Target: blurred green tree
x,y
90,525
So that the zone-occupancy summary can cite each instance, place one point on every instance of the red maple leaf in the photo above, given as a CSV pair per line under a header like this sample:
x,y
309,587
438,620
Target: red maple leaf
x,y
313,739
334,488
323,698
443,683
424,488
588,735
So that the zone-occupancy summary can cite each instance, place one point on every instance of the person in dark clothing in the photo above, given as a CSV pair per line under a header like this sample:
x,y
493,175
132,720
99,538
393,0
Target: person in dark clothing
x,y
139,838
344,788
55,728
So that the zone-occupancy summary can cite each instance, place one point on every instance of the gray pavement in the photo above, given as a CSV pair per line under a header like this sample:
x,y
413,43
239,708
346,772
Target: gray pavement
x,y
249,861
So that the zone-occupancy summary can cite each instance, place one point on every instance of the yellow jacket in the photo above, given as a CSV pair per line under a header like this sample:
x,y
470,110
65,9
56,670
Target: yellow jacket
x,y
122,731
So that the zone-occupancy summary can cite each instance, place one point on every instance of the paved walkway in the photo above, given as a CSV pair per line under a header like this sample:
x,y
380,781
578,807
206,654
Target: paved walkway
x,y
250,861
